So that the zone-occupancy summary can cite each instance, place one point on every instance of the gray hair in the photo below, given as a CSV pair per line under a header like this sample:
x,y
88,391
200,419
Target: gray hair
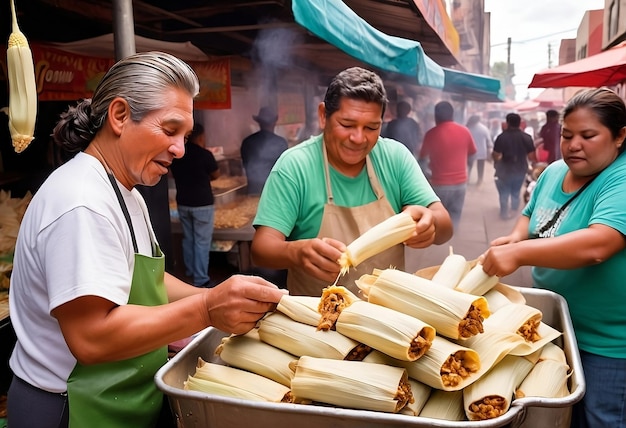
x,y
358,84
141,79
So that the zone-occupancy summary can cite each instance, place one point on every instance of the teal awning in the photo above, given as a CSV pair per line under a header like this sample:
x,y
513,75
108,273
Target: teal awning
x,y
473,86
337,24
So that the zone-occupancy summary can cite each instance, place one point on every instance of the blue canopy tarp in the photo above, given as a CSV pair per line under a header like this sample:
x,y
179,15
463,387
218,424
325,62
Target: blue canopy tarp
x,y
337,24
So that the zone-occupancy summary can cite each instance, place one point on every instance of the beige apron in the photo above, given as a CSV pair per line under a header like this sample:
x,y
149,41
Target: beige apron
x,y
346,224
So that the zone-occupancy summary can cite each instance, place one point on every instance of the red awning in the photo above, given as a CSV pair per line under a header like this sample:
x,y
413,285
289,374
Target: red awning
x,y
607,68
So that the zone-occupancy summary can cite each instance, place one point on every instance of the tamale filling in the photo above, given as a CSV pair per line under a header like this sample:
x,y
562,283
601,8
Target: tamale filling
x,y
404,394
455,369
330,307
419,346
529,331
488,408
288,398
472,324
359,352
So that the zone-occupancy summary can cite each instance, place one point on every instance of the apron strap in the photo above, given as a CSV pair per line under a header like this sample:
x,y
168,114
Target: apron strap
x,y
120,199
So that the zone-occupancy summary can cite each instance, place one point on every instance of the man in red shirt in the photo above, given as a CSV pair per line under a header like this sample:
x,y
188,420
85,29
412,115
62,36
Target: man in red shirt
x,y
445,150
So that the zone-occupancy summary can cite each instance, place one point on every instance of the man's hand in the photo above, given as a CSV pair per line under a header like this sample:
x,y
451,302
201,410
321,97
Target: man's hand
x,y
235,305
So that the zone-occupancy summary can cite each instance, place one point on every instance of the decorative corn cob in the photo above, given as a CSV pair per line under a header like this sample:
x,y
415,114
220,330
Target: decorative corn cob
x,y
334,300
22,88
452,270
231,382
452,313
396,334
301,339
395,230
491,395
248,352
476,281
352,384
446,405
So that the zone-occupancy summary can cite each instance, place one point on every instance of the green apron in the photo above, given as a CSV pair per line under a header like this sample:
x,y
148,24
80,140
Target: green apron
x,y
123,393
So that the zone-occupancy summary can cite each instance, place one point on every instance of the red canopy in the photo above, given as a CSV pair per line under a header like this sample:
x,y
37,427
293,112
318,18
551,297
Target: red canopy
x,y
607,68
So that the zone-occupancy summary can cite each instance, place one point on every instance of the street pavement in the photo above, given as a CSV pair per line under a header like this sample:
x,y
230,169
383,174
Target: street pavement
x,y
480,224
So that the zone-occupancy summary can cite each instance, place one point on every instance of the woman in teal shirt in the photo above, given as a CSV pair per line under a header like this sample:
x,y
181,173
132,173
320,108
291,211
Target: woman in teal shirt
x,y
577,213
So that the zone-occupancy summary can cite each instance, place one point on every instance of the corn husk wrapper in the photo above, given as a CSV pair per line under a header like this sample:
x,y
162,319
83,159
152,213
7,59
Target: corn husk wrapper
x,y
300,308
496,300
451,271
446,405
477,282
453,314
392,231
301,339
491,395
351,384
521,319
248,352
554,352
548,378
446,365
396,334
232,382
334,299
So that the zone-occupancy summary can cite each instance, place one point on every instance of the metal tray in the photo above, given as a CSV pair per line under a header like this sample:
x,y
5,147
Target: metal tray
x,y
195,409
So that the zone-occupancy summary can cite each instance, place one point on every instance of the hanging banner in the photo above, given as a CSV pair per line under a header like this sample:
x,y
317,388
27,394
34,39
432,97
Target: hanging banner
x,y
65,76
214,79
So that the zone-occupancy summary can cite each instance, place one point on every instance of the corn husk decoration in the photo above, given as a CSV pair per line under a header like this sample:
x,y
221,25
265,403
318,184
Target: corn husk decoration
x,y
248,352
22,108
491,395
301,339
351,384
549,377
392,231
232,382
452,313
446,405
396,334
452,270
334,299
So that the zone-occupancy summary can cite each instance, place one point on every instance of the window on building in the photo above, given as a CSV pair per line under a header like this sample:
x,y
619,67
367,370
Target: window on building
x,y
613,19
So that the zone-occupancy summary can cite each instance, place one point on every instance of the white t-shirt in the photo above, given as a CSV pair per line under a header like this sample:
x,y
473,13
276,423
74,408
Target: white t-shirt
x,y
73,241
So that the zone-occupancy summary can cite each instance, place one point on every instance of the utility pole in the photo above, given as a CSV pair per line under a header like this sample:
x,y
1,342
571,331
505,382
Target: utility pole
x,y
509,89
549,55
